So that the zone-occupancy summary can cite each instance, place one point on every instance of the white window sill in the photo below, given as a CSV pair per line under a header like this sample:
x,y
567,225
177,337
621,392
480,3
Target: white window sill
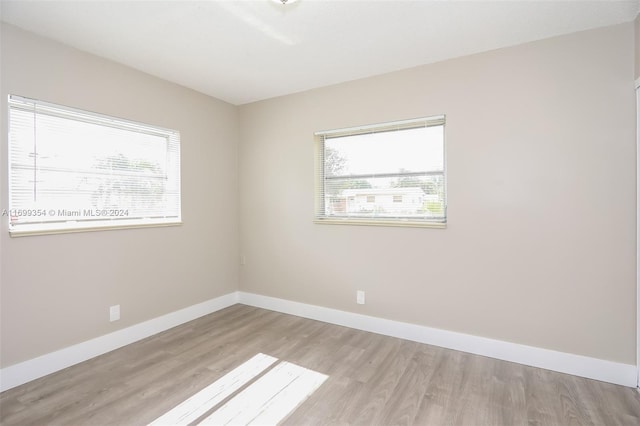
x,y
66,228
381,222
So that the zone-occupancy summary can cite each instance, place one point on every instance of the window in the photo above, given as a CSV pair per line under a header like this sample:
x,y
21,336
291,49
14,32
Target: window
x,y
73,170
386,174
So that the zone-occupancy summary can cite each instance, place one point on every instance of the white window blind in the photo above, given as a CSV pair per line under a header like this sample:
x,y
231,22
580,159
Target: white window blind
x,y
390,173
76,170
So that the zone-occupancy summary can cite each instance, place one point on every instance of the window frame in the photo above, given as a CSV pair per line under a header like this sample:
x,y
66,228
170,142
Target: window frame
x,y
320,216
72,224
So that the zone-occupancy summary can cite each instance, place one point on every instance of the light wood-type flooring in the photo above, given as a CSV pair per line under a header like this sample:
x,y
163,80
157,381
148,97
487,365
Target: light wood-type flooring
x,y
370,380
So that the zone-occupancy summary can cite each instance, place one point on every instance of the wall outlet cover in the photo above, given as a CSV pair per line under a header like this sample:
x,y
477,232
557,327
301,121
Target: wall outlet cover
x,y
114,313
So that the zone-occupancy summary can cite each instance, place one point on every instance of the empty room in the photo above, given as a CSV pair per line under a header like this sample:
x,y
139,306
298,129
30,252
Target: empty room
x,y
312,212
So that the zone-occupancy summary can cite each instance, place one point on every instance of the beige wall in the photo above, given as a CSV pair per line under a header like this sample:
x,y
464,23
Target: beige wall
x,y
540,246
56,290
637,46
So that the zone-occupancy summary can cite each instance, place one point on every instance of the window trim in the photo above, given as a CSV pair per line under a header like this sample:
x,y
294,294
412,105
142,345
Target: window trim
x,y
70,226
68,229
319,137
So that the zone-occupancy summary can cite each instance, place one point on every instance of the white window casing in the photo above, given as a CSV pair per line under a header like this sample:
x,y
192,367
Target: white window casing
x,y
390,174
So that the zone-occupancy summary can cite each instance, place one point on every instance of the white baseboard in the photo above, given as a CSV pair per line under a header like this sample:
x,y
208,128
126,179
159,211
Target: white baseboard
x,y
32,369
592,368
577,365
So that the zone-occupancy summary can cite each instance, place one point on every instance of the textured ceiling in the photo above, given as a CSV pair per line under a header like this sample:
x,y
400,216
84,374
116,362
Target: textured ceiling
x,y
243,51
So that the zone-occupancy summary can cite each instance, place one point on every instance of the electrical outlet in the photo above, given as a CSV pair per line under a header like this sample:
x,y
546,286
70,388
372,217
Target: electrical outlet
x,y
114,313
360,297
243,260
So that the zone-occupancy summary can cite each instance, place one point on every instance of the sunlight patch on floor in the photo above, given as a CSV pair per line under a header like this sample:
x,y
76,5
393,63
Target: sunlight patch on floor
x,y
266,401
270,399
196,406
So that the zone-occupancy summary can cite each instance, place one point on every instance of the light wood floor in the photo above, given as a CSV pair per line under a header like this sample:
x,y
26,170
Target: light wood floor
x,y
372,380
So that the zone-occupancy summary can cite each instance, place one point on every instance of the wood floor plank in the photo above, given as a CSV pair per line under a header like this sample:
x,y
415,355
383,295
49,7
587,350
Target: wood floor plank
x,y
402,407
373,401
371,380
442,401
